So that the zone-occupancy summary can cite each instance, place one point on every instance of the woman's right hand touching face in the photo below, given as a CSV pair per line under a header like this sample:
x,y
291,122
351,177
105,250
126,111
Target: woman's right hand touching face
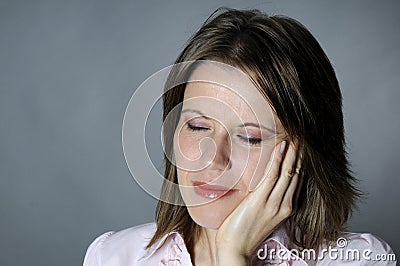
x,y
262,210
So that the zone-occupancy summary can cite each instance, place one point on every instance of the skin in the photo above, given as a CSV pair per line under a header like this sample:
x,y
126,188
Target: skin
x,y
229,136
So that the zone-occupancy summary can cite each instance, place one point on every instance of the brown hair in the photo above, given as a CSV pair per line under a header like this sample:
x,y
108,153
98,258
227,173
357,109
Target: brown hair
x,y
290,68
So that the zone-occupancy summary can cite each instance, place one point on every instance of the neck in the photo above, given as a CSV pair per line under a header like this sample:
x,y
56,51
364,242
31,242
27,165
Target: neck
x,y
205,249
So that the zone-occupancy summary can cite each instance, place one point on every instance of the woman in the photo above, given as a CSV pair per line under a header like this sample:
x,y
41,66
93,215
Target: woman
x,y
256,173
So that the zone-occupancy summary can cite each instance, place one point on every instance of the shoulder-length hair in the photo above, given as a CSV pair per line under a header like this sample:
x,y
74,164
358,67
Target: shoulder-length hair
x,y
289,67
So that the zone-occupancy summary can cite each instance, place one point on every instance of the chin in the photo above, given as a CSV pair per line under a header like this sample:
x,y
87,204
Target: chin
x,y
208,217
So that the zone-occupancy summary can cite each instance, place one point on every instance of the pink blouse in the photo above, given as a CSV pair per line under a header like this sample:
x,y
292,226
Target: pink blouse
x,y
127,247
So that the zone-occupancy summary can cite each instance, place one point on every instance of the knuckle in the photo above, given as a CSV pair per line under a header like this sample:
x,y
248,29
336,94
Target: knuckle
x,y
274,210
286,211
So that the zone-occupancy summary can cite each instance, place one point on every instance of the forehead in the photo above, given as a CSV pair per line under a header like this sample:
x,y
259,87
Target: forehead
x,y
222,90
225,78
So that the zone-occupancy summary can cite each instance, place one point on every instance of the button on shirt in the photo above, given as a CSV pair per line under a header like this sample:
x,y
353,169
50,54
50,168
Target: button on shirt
x,y
128,247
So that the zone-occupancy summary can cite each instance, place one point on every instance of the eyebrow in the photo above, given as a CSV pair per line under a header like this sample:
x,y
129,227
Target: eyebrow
x,y
243,125
194,111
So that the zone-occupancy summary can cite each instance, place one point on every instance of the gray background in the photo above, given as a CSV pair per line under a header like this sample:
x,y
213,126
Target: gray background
x,y
68,69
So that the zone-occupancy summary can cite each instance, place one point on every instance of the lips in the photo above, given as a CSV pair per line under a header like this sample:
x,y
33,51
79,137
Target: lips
x,y
211,191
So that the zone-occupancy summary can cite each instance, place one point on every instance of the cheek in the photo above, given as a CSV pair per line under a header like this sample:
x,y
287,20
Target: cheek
x,y
189,147
192,152
186,153
185,146
255,166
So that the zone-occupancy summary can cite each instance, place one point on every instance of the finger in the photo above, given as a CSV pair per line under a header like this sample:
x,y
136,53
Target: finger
x,y
288,202
300,183
288,170
271,173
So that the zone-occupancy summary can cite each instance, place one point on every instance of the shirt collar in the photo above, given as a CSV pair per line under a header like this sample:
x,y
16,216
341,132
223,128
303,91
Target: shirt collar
x,y
174,238
159,243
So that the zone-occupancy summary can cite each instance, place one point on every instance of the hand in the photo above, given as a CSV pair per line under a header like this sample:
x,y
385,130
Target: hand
x,y
262,210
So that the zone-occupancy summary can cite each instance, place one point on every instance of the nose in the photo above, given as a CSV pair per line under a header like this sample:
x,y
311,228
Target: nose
x,y
222,157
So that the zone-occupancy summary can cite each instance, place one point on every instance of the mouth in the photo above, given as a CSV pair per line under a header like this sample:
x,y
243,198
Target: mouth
x,y
212,191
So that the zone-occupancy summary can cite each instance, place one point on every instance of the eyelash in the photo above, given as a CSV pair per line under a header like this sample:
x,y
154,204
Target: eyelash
x,y
251,141
194,128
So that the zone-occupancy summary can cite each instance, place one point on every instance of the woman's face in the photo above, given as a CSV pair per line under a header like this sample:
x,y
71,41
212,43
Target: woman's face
x,y
222,143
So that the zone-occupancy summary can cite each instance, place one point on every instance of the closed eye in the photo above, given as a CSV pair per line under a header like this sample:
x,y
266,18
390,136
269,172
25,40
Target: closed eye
x,y
196,128
252,141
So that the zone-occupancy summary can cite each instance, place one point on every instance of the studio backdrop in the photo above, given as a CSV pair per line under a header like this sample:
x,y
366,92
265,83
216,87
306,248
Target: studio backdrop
x,y
69,68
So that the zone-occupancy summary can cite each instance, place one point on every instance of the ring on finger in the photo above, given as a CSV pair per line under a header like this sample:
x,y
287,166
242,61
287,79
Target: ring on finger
x,y
292,172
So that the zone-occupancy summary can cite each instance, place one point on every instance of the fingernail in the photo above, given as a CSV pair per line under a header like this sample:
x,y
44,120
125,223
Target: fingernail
x,y
283,146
